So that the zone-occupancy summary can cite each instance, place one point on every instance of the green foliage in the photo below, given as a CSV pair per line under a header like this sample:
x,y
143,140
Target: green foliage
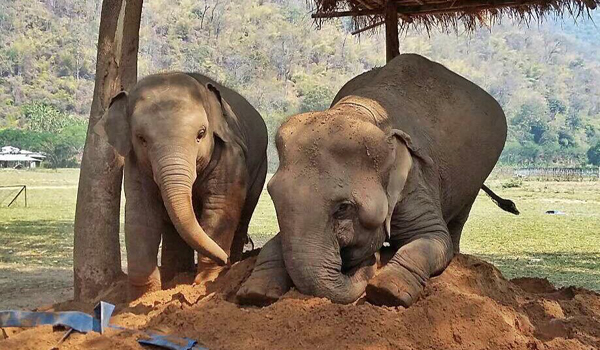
x,y
545,77
62,149
65,147
41,117
59,136
47,53
316,99
314,96
31,141
513,183
593,154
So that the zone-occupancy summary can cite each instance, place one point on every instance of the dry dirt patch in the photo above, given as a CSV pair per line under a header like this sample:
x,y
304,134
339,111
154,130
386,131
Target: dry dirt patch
x,y
470,306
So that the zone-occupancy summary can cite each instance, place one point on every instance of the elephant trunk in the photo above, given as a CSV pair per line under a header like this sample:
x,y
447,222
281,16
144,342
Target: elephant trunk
x,y
315,266
175,176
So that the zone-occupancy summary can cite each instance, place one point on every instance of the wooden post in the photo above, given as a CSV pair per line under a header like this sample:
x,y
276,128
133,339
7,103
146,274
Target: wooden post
x,y
96,252
392,45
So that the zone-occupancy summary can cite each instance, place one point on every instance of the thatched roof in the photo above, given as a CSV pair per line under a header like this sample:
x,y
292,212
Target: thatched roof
x,y
448,14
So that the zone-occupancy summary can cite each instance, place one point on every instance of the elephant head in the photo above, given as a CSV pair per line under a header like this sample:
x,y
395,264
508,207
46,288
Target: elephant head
x,y
339,179
171,127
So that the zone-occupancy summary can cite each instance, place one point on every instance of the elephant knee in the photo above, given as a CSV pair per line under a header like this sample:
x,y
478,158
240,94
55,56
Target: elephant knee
x,y
141,277
141,283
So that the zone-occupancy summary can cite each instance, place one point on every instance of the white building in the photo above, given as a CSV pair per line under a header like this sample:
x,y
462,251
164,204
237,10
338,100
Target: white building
x,y
12,157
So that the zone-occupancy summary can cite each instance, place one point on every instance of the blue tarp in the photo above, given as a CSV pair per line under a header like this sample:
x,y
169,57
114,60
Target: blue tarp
x,y
79,321
84,323
167,342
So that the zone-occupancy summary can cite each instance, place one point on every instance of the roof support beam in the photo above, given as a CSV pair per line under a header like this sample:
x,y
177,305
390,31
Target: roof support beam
x,y
364,29
392,45
347,13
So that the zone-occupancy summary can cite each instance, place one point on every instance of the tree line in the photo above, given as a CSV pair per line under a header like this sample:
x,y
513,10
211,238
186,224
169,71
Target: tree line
x,y
545,76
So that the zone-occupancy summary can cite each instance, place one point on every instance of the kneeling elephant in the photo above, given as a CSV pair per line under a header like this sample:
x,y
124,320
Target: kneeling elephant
x,y
400,158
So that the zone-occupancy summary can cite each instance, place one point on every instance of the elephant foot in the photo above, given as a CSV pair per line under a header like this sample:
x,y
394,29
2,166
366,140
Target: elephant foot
x,y
139,286
167,274
394,286
208,271
269,280
264,287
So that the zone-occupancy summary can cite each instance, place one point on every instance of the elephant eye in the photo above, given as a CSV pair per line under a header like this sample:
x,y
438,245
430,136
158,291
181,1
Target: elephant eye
x,y
343,210
142,140
201,133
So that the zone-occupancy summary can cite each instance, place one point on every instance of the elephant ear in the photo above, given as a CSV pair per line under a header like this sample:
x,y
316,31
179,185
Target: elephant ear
x,y
402,151
114,124
222,119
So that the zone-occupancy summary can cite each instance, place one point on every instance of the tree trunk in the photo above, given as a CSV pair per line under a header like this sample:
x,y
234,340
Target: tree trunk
x,y
96,255
392,45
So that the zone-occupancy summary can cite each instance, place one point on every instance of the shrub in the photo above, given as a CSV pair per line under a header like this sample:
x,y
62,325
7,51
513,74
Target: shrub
x,y
593,154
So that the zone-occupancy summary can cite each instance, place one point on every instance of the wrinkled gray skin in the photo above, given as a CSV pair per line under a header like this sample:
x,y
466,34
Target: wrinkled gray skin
x,y
399,157
195,165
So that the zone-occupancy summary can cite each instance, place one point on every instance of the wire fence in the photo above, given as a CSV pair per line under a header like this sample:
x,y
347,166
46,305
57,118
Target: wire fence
x,y
9,194
559,174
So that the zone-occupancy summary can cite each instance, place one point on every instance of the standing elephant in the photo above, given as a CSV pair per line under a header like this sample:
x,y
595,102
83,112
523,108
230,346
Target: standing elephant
x,y
195,165
398,158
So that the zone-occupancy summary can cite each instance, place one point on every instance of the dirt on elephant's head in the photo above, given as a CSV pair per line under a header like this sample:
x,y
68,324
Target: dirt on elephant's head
x,y
470,306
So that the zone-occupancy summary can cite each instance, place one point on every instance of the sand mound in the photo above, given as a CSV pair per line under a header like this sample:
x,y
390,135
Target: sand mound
x,y
470,306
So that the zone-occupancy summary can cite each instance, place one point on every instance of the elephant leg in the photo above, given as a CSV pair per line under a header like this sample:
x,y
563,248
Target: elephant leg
x,y
142,255
241,234
269,279
207,270
223,196
401,281
455,226
176,255
144,225
220,223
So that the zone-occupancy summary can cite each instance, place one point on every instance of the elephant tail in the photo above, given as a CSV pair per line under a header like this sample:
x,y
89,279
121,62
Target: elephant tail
x,y
504,204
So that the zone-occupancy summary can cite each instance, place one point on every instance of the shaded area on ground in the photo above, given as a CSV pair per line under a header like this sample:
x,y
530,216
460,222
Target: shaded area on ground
x,y
470,306
30,287
37,242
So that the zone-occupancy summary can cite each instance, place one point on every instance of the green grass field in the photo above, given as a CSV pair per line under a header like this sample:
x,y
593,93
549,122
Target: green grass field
x,y
563,248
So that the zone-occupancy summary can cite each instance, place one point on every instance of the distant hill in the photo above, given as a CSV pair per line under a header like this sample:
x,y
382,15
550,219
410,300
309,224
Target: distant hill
x,y
545,77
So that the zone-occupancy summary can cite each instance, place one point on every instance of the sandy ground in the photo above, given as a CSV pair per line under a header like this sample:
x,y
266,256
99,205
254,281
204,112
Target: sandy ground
x,y
31,287
470,306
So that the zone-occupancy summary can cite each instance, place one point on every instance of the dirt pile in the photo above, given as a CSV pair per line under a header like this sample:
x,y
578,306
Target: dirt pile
x,y
470,306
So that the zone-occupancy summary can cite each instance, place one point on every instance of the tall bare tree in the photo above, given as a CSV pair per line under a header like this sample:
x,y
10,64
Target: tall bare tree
x,y
97,258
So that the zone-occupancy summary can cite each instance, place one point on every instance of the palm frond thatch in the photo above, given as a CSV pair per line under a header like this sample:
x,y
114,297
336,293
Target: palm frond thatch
x,y
448,15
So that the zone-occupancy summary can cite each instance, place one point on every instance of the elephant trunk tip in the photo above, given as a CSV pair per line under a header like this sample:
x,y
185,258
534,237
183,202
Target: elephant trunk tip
x,y
327,278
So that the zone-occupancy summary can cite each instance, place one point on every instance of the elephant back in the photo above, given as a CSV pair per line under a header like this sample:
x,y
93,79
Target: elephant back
x,y
356,83
451,119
